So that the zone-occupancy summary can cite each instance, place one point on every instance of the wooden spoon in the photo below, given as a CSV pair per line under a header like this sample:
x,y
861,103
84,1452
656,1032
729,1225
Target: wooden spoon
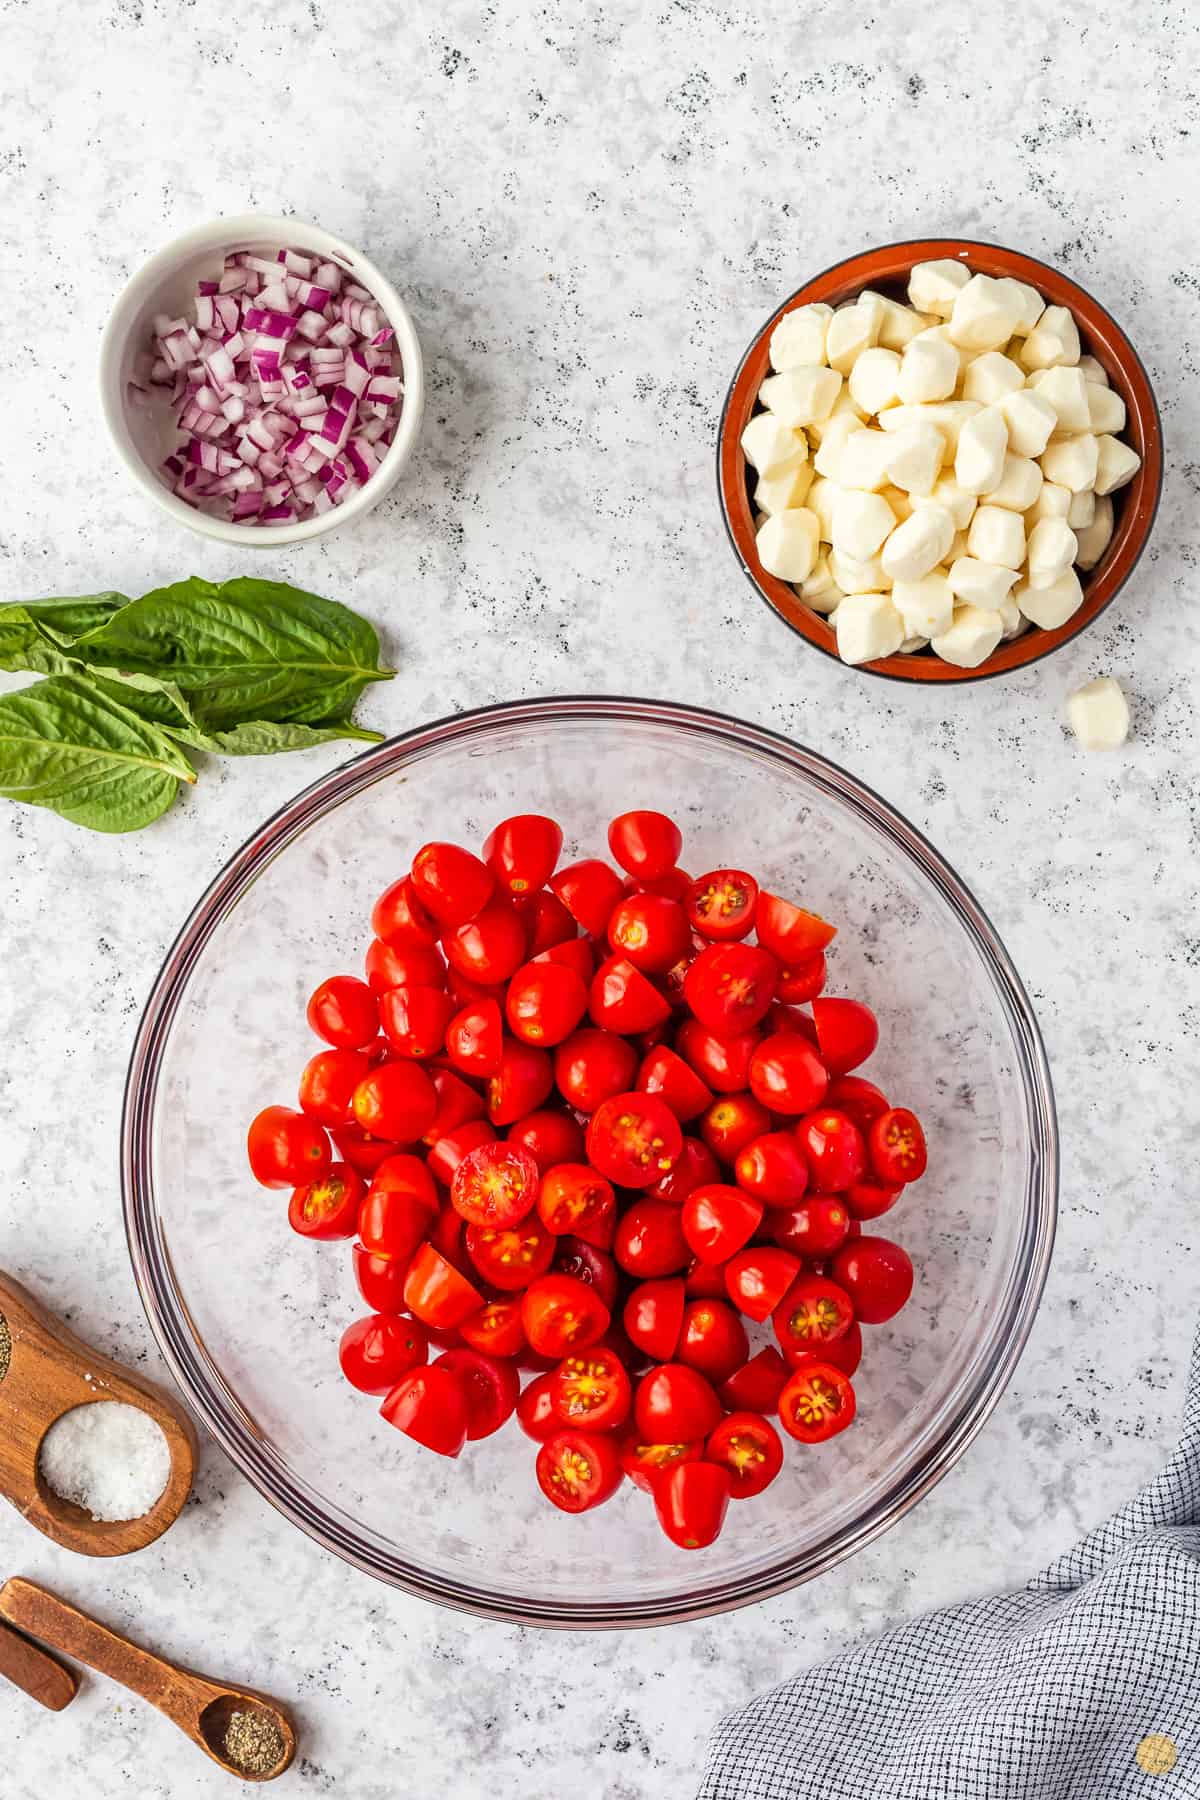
x,y
50,1372
201,1708
41,1675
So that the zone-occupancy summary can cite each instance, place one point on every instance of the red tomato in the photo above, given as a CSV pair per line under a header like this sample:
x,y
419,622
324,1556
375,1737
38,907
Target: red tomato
x,y
521,1083
730,986
704,1281
574,1198
674,1404
816,1312
651,931
436,1293
495,1185
490,1388
816,1227
634,1139
522,852
867,1200
591,1066
328,1207
397,1213
773,1169
546,920
578,1470
713,1339
643,1462
748,1446
897,1146
496,1328
545,1003
834,1150
792,1019
802,980
817,1402
430,1405
622,999
860,1100
589,890
645,843
691,1499
717,1220
847,1033
363,1152
667,1075
343,1012
845,1355
787,1075
450,883
671,886
720,905
583,1262
672,982
731,1123
446,1236
696,1165
414,1020
877,1275
447,1151
412,965
475,1038
575,954
721,1059
376,1351
399,918
468,993
549,1137
286,1149
535,1415
328,1083
649,1240
380,1280
591,1388
560,1313
757,1385
489,948
788,932
758,1279
397,1101
653,1317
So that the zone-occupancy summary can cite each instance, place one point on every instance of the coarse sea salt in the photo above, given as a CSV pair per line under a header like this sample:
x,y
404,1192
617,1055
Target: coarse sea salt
x,y
111,1459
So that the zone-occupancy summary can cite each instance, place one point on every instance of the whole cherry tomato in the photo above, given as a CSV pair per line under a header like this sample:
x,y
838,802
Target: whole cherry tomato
x,y
696,1165
649,1239
877,1275
397,1101
870,1200
720,905
286,1149
717,1220
523,1080
583,1262
450,883
647,844
574,1198
814,1313
490,1388
653,1317
436,1293
545,1003
748,1446
560,1313
817,1402
411,965
546,920
674,1404
496,1328
730,986
667,1075
713,1339
344,1012
447,1151
549,1136
817,1226
591,1388
328,1083
721,1059
591,1066
475,1038
643,1462
634,1139
691,1499
773,1169
488,948
376,1351
589,890
847,1033
414,1020
578,1469
787,1075
380,1280
757,1279
833,1148
757,1385
651,931
430,1405
860,1100
802,980
535,1415
789,932
522,852
896,1145
622,999
495,1185
328,1207
731,1123
399,917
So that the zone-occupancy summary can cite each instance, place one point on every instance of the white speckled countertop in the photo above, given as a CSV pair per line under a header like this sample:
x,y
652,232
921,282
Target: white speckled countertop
x,y
590,210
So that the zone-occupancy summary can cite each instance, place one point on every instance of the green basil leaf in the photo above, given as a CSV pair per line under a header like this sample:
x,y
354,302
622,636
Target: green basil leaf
x,y
266,737
34,634
66,746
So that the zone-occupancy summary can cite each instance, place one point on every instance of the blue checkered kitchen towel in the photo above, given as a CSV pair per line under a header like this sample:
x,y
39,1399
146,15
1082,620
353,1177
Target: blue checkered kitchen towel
x,y
1084,1685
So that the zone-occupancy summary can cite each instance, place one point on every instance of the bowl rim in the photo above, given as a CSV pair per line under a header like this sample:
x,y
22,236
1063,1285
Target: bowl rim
x,y
1032,646
220,1410
225,233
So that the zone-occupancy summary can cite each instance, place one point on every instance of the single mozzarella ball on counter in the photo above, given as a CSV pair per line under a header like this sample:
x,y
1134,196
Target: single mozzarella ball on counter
x,y
982,444
972,636
1019,485
980,584
770,446
1066,390
957,502
1116,463
818,589
989,377
873,379
1052,549
919,544
858,574
915,457
1082,509
946,416
776,493
1106,409
852,330
1030,420
1098,714
800,395
799,337
1053,340
1051,606
997,536
933,287
1053,502
898,325
928,369
1072,462
833,439
926,606
1029,303
1094,539
788,543
861,521
985,312
868,626
864,458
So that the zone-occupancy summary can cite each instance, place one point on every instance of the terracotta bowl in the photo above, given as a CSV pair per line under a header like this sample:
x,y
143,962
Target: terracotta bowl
x,y
1135,505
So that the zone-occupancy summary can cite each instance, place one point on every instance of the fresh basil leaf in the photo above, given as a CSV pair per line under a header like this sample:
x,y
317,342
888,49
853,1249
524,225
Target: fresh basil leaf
x,y
34,634
265,737
66,746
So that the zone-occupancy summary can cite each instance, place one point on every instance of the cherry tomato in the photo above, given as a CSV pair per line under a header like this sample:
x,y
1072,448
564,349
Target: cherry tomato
x,y
757,1385
490,1388
522,852
721,1059
877,1275
450,883
545,1003
436,1293
589,890
667,1075
731,1123
523,1080
397,1101
578,1470
773,1169
815,1312
713,1339
845,1355
495,1185
414,1020
704,1281
802,980
651,931
717,1220
793,1019
446,1236
860,1100
286,1149
595,1268
560,1313
730,986
868,1200
643,1462
833,1148
816,1227
535,1415
546,920
634,1139
549,1137
363,1152
591,1066
674,1404
412,965
475,1038
720,905
757,1279
696,1165
649,1239
574,1198
376,1351
653,1317
343,1011
447,1151
787,1075
398,1210
622,999
896,1145
496,1328
647,844
591,1388
748,1446
468,993
430,1405
328,1207
672,982
488,948
575,954
399,917
673,885
691,1499
789,932
328,1083
817,1402
380,1280
847,1033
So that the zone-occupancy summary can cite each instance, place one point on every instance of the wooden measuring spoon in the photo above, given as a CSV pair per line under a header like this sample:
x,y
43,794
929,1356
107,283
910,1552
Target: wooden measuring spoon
x,y
202,1709
50,1372
41,1675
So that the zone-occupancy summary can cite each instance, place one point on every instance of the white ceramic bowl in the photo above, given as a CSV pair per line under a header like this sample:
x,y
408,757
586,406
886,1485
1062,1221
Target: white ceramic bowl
x,y
167,283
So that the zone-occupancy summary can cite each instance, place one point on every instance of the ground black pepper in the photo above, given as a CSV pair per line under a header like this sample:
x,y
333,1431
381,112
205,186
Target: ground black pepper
x,y
253,1742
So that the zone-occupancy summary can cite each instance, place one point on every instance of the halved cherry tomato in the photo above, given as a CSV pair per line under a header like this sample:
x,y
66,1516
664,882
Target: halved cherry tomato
x,y
732,1122
560,1313
446,1236
396,1101
523,1080
667,1075
549,1137
757,1279
578,1470
546,920
328,1207
574,1198
649,1239
773,1169
730,986
591,1066
595,1268
802,980
877,1275
896,1145
713,1339
430,1405
634,1139
496,1328
672,982
535,1415
450,883
720,905
653,1317
860,1100
495,1185
674,1404
376,1351
815,1312
704,1281
817,1402
671,886
489,947
286,1149
651,931
816,1227
399,917
691,1499
475,1038
576,954
344,1012
398,1211
789,932
380,1280
622,999
847,1033
591,1388
589,890
870,1200
436,1293
522,852
757,1385
717,1220
447,1151
545,1003
410,965
787,1075
748,1446
414,1020
643,1462
490,1388
328,1082
363,1152
696,1165
722,1059
845,1355
647,844
833,1148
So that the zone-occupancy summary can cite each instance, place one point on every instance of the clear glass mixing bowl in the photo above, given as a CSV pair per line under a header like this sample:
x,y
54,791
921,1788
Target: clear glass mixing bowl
x,y
249,1321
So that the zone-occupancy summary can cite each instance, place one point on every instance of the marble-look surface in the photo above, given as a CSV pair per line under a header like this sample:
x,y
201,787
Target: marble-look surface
x,y
590,210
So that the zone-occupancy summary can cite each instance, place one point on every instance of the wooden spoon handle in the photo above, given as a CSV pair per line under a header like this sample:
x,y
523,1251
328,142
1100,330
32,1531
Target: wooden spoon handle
x,y
41,1675
43,1615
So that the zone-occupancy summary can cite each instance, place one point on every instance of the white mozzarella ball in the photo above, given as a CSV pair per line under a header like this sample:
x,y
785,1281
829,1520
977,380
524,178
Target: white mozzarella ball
x,y
1029,303
833,440
873,381
1066,390
819,500
852,330
972,636
926,606
1012,620
1030,421
1082,509
928,369
1098,714
799,337
1094,371
946,416
801,395
897,324
776,493
818,589
981,584
1053,340
843,408
985,312
1019,485
868,626
1073,461
915,457
1051,606
770,446
982,443
861,522
989,377
1053,502
1094,539
788,543
1106,409
933,287
997,536
863,462
1052,549
957,502
858,574
919,544
1116,463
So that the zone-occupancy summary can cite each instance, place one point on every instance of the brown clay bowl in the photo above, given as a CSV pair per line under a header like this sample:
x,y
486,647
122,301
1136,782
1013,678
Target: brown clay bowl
x,y
887,269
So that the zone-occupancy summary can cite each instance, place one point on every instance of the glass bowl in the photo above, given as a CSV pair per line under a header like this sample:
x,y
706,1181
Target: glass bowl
x,y
248,1315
